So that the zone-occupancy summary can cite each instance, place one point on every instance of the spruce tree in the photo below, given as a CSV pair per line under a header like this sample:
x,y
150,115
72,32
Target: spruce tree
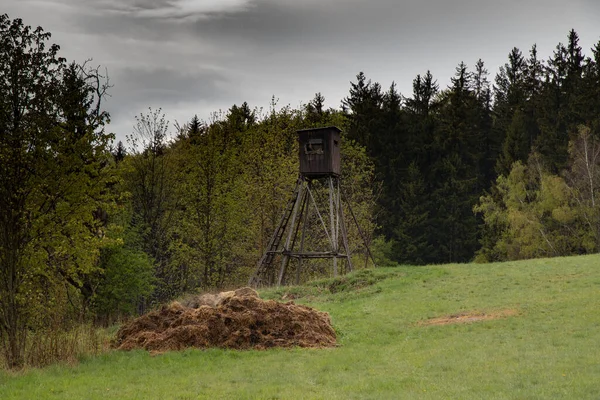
x,y
591,91
509,94
195,129
315,110
455,175
553,138
390,158
363,108
413,203
490,145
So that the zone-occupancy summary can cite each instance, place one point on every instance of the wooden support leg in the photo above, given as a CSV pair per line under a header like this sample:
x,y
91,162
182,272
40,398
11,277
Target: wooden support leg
x,y
344,233
304,224
291,235
332,224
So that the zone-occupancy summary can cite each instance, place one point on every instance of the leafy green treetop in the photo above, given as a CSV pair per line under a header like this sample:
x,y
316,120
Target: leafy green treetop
x,y
54,168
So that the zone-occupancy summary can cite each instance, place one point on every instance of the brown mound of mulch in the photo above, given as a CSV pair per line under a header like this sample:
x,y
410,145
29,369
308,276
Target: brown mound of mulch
x,y
469,317
240,320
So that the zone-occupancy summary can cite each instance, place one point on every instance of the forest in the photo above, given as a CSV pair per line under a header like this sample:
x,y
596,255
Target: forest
x,y
484,169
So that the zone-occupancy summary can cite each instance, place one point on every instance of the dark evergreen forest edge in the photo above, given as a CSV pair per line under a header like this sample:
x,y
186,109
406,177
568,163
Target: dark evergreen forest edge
x,y
93,230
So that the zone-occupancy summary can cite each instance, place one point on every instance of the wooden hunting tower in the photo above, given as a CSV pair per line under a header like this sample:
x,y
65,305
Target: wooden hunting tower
x,y
319,152
320,170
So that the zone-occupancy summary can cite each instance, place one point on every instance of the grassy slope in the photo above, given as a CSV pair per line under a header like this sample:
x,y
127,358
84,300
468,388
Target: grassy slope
x,y
549,350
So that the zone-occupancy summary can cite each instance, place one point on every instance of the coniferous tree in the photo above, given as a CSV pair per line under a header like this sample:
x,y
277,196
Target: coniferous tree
x,y
456,172
516,144
315,110
573,86
120,152
553,138
546,207
533,84
509,93
195,129
238,120
413,225
389,149
591,91
364,110
490,145
241,118
411,231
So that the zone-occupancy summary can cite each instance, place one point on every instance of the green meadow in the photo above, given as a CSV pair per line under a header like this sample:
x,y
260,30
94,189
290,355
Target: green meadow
x,y
543,343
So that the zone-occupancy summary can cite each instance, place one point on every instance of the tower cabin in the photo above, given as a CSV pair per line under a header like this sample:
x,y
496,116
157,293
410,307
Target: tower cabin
x,y
319,152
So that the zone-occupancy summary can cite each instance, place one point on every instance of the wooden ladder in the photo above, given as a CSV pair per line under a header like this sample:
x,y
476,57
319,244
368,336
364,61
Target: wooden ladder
x,y
261,276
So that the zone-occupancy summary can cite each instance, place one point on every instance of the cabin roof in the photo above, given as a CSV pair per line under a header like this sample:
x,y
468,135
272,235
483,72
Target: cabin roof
x,y
327,128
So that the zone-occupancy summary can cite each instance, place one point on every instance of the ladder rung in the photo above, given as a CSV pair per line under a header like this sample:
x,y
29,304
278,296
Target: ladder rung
x,y
267,259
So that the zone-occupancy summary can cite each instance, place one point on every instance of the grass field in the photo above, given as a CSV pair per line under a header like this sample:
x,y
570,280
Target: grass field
x,y
543,344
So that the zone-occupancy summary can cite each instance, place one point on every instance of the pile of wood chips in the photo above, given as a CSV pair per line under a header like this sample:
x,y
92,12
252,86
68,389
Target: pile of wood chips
x,y
233,320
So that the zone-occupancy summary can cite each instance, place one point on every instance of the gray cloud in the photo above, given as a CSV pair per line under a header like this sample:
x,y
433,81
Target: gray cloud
x,y
176,92
168,9
198,56
137,86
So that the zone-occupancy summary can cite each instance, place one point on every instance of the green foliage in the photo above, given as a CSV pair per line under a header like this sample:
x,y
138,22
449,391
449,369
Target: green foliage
x,y
545,208
431,157
537,214
268,164
516,145
410,243
127,277
583,179
382,251
456,175
359,186
149,176
364,108
54,169
210,216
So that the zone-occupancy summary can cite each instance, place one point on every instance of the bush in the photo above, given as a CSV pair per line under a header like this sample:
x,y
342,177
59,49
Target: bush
x,y
127,279
382,251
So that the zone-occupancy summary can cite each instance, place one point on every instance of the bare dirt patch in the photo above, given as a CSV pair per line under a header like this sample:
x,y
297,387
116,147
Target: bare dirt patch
x,y
469,317
234,320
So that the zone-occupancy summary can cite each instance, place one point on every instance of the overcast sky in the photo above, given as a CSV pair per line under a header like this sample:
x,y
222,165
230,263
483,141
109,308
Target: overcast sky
x,y
200,56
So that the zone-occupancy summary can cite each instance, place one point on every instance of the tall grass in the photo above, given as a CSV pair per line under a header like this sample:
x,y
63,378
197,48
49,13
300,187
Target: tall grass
x,y
63,346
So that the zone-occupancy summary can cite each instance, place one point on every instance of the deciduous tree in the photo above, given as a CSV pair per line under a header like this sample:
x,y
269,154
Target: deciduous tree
x,y
54,167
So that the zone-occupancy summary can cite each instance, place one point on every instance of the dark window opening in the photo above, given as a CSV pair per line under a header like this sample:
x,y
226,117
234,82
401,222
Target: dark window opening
x,y
314,146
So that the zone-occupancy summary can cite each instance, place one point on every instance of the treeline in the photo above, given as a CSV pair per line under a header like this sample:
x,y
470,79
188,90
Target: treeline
x,y
491,171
